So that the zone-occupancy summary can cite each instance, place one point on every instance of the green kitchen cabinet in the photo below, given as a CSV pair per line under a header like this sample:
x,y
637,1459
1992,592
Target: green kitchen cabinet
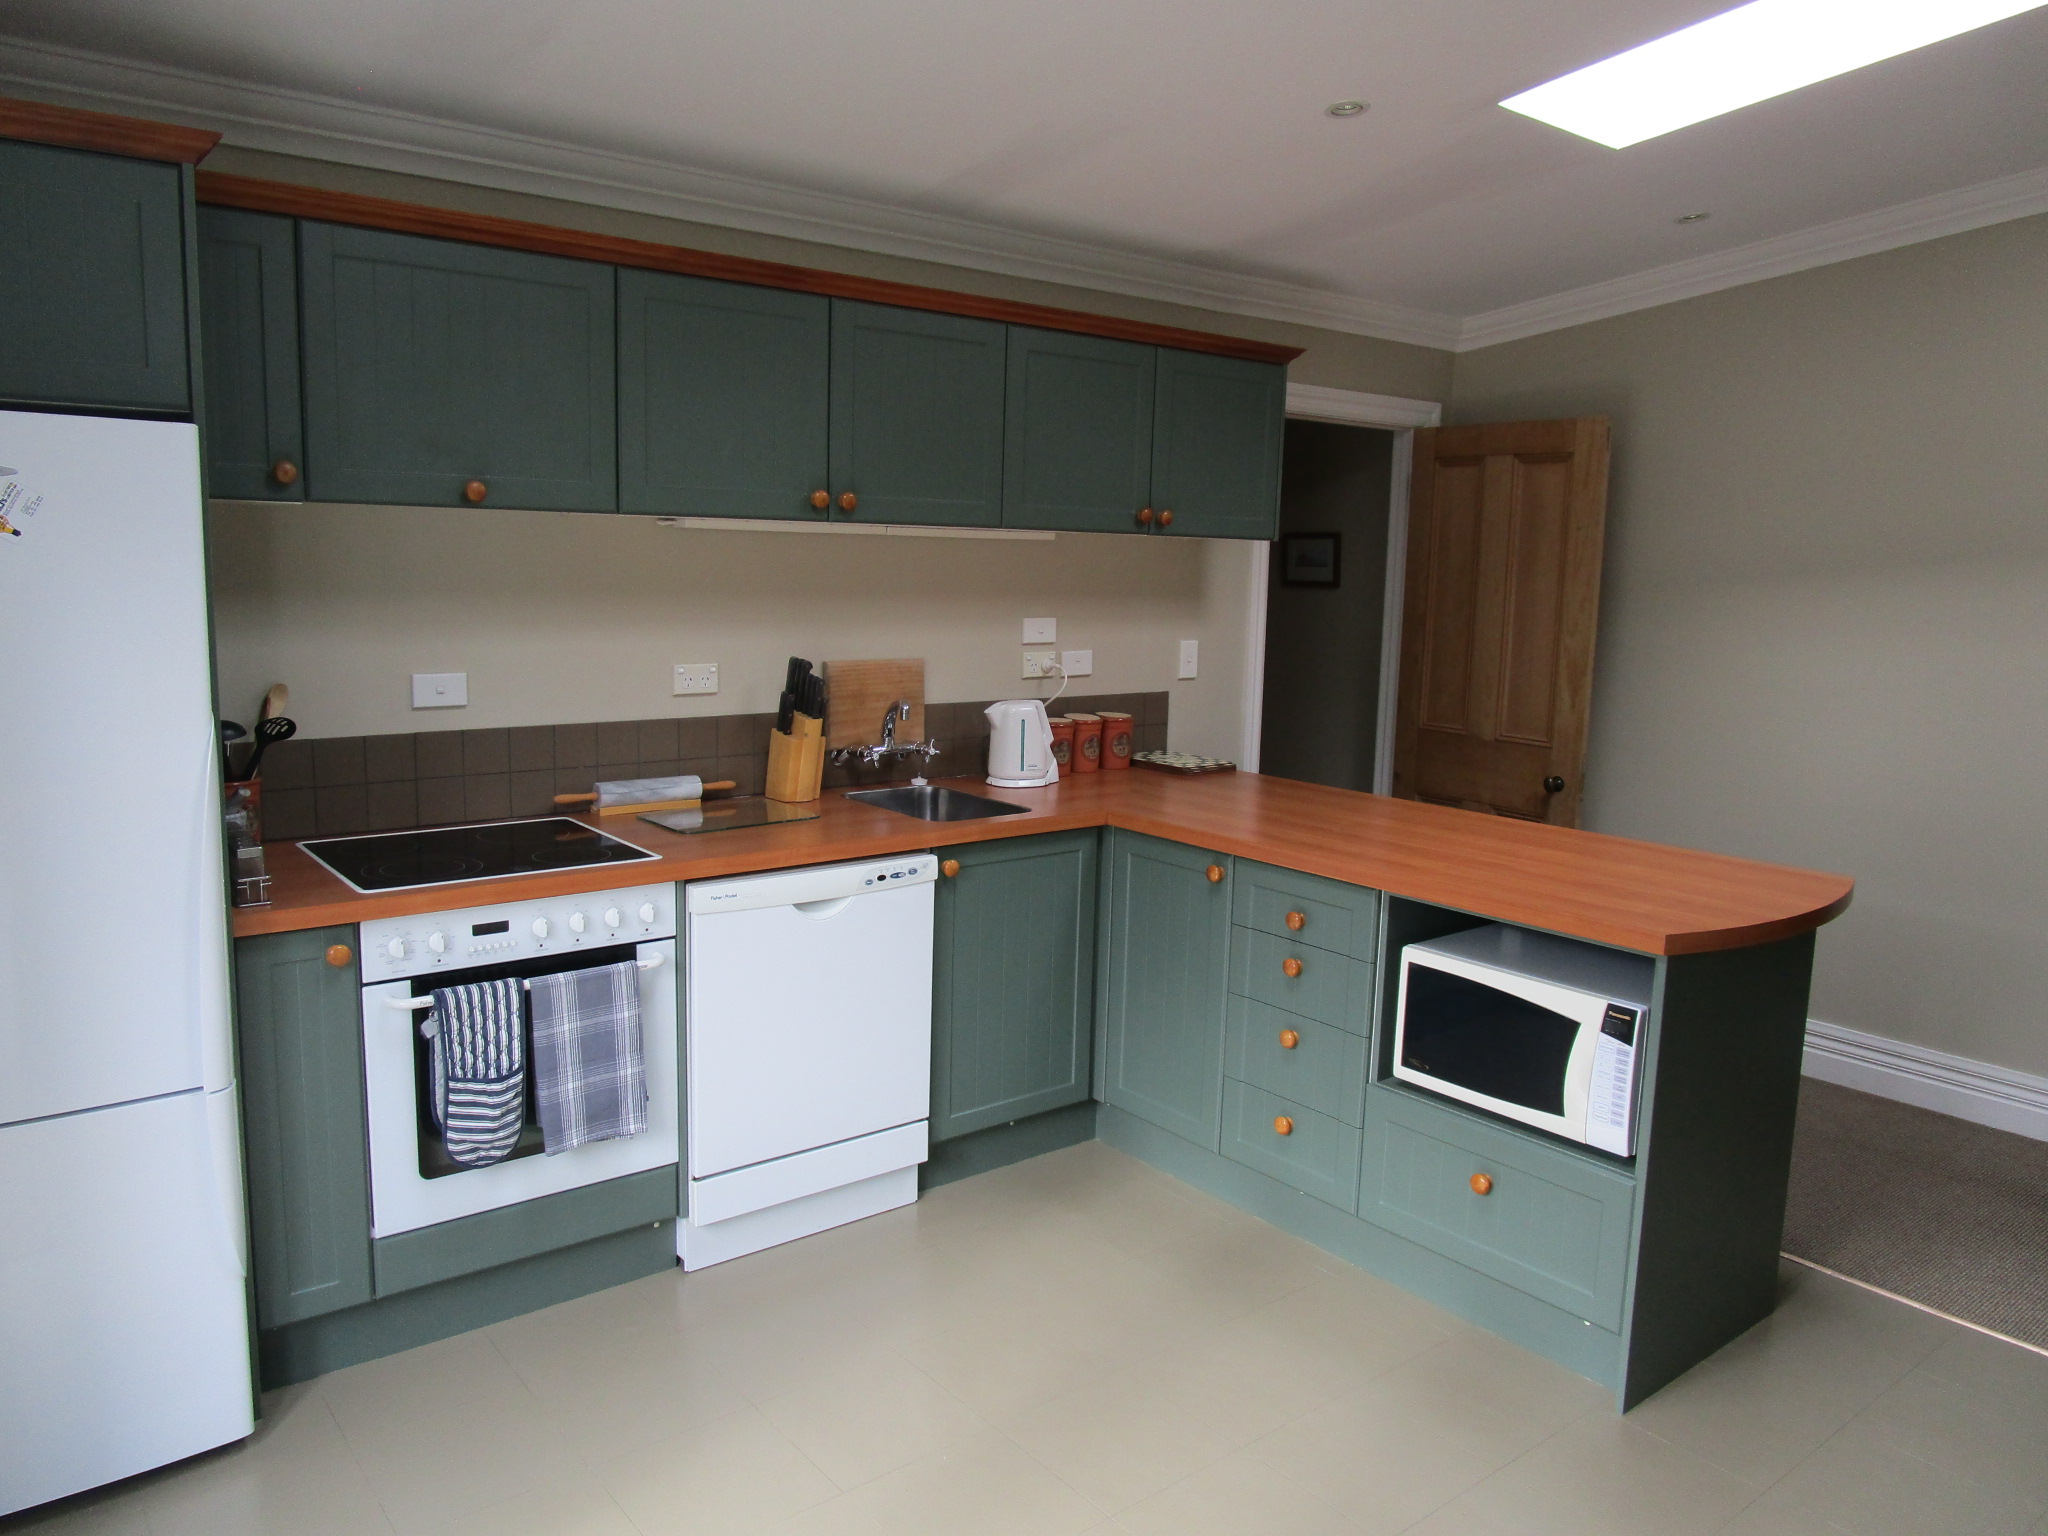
x,y
1166,955
723,398
93,291
299,1021
249,318
917,416
444,374
1216,430
1013,997
1077,441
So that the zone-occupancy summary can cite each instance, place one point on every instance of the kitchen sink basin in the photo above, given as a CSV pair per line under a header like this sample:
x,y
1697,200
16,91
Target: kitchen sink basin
x,y
934,802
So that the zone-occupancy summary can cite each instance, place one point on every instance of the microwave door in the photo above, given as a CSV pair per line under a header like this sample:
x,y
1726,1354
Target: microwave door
x,y
1499,1048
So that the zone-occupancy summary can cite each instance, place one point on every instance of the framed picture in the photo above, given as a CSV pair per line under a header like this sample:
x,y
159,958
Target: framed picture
x,y
1308,559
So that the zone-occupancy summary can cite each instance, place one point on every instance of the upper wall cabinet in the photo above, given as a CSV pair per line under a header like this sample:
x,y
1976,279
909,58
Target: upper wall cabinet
x,y
249,313
722,398
1077,441
917,416
1216,430
444,374
92,291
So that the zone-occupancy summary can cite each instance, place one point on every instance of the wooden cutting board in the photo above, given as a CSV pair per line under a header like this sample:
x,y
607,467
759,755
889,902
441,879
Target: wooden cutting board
x,y
858,694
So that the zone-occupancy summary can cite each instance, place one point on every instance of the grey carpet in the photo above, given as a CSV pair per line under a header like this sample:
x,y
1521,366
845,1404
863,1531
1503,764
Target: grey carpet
x,y
1934,1209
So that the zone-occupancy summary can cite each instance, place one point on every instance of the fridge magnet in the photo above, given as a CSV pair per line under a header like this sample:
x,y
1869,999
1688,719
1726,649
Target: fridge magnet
x,y
16,507
1308,559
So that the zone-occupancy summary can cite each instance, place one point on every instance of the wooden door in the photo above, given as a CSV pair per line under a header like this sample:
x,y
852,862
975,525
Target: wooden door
x,y
249,315
1013,1002
1503,596
1077,450
722,398
432,364
917,416
1218,424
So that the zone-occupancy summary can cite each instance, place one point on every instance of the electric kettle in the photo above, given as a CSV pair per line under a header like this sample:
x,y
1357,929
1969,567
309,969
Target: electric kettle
x,y
1020,745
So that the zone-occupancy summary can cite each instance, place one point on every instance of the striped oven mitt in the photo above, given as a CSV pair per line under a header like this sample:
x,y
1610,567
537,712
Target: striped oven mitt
x,y
479,1057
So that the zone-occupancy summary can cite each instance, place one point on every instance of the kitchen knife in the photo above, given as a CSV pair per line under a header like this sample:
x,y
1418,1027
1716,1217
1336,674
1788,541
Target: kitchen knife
x,y
785,712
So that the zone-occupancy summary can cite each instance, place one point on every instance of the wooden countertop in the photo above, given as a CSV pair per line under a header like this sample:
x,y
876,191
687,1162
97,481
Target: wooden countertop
x,y
1612,890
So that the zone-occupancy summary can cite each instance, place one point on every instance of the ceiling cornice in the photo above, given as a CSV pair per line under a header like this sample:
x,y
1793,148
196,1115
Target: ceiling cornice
x,y
326,128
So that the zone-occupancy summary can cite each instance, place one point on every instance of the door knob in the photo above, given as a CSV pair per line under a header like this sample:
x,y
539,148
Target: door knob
x,y
821,499
1144,517
1282,1126
848,501
339,955
1166,517
475,492
284,471
950,868
1296,921
1289,1039
1482,1184
1553,785
1215,874
1290,968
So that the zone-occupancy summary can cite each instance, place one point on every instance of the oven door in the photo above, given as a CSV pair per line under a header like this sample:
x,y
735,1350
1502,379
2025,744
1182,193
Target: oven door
x,y
412,1182
1511,1044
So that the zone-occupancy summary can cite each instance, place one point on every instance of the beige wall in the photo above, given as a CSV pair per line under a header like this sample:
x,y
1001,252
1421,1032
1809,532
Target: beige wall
x,y
578,617
1824,625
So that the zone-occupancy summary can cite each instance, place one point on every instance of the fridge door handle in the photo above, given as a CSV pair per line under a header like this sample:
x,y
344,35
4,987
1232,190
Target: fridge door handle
x,y
224,1142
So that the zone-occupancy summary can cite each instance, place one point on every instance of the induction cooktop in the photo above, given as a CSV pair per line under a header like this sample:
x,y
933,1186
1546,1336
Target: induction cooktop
x,y
490,850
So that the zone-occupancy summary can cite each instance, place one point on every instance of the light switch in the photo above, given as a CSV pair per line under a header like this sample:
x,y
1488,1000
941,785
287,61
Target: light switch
x,y
1190,657
697,677
440,690
1078,663
1041,631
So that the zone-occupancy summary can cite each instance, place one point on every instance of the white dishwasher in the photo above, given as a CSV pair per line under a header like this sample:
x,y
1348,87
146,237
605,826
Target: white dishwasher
x,y
808,1047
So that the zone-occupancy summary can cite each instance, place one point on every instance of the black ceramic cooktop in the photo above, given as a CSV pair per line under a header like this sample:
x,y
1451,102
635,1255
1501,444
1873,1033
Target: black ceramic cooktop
x,y
397,861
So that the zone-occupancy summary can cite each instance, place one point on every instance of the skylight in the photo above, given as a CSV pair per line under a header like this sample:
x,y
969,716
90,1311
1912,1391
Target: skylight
x,y
1746,55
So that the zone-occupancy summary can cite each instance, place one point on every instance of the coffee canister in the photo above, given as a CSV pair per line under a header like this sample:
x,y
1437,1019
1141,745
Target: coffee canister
x,y
1118,741
1063,744
1087,743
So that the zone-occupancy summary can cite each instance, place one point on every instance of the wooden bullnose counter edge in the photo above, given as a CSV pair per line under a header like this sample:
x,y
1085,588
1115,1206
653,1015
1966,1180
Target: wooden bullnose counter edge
x,y
1611,890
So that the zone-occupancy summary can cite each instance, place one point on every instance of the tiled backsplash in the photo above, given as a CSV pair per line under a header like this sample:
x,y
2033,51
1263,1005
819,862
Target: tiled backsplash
x,y
340,785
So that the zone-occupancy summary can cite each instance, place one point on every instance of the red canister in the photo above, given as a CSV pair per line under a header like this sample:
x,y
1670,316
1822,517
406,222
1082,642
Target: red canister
x,y
1063,744
1118,742
1087,743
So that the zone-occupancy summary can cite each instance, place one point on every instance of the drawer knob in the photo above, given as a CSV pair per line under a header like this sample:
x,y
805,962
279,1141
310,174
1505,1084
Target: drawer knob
x,y
1166,517
1289,1039
475,491
1482,1183
1290,968
1144,517
1296,921
950,868
1215,873
284,471
821,500
848,501
339,955
1282,1126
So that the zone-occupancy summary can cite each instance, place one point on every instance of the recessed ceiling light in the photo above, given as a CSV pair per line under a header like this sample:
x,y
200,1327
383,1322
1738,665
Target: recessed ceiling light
x,y
1746,55
1690,218
1348,108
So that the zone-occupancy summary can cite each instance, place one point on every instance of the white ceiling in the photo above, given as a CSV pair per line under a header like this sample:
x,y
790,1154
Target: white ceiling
x,y
1159,145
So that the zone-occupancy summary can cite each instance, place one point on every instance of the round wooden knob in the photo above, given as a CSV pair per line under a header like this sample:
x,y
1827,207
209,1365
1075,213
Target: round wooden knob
x,y
475,491
1144,517
848,501
950,868
339,955
1289,1039
1290,967
284,471
1282,1126
1215,873
1482,1183
1296,921
1166,517
821,499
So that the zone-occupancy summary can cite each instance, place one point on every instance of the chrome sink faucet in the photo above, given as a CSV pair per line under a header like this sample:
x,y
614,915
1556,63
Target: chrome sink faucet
x,y
888,746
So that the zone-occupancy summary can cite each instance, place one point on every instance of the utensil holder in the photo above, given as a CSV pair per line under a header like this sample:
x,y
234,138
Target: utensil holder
x,y
796,762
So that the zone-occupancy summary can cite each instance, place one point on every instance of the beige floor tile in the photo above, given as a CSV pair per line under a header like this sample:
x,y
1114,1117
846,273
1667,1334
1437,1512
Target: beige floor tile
x,y
434,1381
986,1486
1940,1422
1122,1439
870,1420
1238,1265
1005,1361
735,1475
1598,1477
1765,1518
2008,1378
121,1513
1238,1496
297,1472
574,1506
428,1469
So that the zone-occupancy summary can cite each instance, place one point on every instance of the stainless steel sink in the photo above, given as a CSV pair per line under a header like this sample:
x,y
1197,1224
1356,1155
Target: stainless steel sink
x,y
934,802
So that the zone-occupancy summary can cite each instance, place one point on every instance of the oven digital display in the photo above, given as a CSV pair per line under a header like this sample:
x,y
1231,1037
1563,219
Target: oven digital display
x,y
478,930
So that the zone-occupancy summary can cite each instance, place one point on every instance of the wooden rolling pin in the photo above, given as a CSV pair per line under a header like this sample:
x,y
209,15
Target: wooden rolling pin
x,y
629,797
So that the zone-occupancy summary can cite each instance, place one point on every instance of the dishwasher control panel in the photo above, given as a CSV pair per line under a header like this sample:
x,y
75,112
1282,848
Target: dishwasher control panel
x,y
395,947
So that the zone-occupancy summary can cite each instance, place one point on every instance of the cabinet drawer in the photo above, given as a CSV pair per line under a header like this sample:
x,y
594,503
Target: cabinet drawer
x,y
1318,1154
1332,988
1331,915
1323,1069
1552,1223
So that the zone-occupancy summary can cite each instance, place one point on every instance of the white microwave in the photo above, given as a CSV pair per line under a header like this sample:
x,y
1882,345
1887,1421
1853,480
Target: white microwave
x,y
1537,1028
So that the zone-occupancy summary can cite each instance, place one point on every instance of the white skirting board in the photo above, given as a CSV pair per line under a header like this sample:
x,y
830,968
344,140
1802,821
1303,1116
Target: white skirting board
x,y
1977,1091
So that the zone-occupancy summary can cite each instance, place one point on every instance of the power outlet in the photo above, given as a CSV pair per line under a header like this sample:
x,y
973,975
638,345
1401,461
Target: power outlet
x,y
1190,658
1040,664
1078,663
697,677
1041,631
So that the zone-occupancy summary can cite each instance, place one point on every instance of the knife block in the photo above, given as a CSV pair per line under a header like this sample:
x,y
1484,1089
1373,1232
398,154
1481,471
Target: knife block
x,y
796,761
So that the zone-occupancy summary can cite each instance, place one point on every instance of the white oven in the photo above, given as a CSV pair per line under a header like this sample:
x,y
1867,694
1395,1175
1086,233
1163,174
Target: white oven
x,y
413,1181
1540,1029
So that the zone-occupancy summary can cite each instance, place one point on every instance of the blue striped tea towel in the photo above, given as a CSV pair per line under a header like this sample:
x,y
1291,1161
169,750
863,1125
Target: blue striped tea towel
x,y
478,1042
590,1072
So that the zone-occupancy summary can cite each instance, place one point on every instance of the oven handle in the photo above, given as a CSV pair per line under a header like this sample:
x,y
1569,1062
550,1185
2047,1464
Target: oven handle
x,y
414,1004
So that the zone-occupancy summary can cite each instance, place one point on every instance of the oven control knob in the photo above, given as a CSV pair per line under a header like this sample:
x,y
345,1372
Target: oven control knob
x,y
578,922
646,911
540,927
395,949
438,943
611,917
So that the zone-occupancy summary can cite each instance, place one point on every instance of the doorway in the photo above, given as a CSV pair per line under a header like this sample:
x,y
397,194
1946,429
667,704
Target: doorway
x,y
1326,595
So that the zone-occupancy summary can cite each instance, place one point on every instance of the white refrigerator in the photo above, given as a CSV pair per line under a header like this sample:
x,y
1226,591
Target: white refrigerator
x,y
124,1334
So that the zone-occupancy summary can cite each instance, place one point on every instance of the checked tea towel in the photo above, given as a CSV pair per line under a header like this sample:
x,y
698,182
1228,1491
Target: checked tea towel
x,y
478,1041
590,1071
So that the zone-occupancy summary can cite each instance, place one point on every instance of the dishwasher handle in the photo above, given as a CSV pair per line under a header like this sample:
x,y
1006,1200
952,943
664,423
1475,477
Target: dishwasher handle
x,y
821,911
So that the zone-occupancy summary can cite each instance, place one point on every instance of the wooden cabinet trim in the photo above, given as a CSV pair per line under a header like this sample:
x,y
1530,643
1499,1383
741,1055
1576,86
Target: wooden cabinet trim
x,y
225,191
72,128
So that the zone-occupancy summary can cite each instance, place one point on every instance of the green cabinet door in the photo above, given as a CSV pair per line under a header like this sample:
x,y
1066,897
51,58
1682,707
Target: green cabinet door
x,y
431,364
249,315
1216,445
300,1025
1166,956
722,397
92,289
917,416
1013,996
1077,444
